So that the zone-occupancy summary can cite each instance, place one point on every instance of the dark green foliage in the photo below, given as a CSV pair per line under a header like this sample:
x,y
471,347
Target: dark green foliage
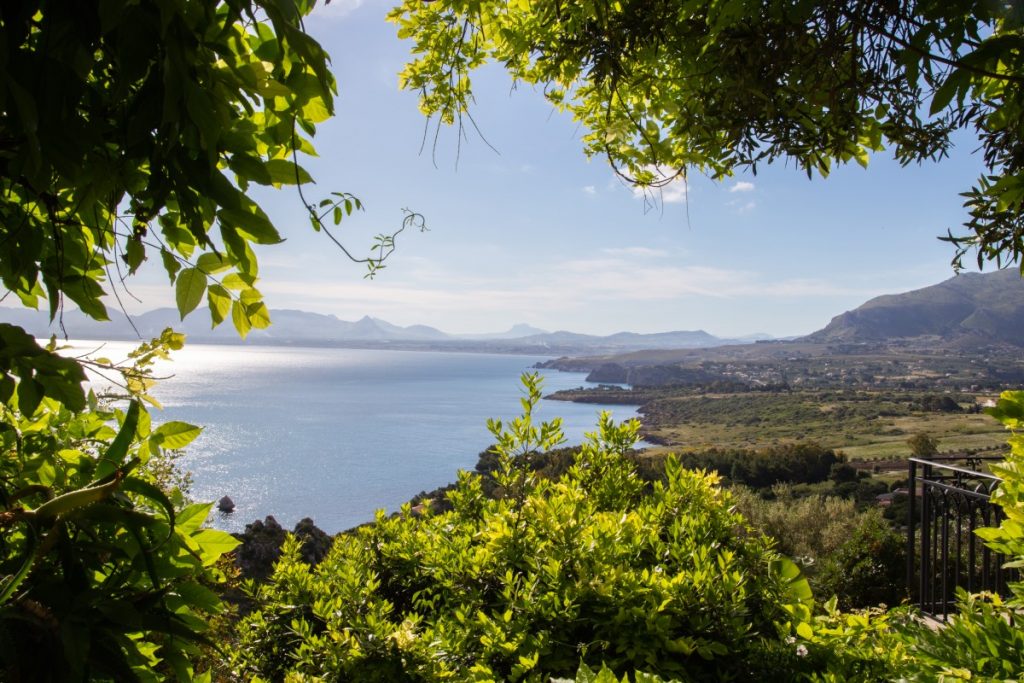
x,y
131,132
842,473
940,404
104,574
922,445
869,568
802,463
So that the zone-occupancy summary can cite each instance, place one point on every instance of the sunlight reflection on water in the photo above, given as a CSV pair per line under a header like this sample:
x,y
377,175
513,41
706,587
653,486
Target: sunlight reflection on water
x,y
334,434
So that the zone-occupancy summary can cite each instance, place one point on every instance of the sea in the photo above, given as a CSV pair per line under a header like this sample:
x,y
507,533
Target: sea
x,y
337,434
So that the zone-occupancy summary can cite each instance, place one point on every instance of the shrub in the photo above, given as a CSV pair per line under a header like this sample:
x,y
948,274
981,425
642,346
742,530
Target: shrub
x,y
807,528
589,568
104,573
869,568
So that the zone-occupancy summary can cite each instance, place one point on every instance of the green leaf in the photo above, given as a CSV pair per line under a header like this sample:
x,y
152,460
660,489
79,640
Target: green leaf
x,y
944,95
240,318
118,450
219,300
189,290
30,393
211,263
199,596
250,168
214,543
201,110
259,316
176,434
147,490
192,517
286,172
171,264
257,226
134,254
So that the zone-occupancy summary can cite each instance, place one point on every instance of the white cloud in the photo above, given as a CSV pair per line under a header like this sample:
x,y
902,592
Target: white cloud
x,y
672,188
742,186
675,192
590,189
563,287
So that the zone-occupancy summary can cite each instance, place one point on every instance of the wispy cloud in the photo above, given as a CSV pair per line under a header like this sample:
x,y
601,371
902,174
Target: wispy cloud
x,y
635,251
742,186
743,207
617,276
589,189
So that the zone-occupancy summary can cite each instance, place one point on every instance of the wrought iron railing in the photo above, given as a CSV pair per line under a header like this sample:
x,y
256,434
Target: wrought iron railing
x,y
949,500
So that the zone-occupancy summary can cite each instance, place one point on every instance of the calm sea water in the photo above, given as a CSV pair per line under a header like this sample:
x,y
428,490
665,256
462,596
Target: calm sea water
x,y
335,434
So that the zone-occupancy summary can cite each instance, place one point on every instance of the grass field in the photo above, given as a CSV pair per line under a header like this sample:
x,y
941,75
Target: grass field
x,y
863,425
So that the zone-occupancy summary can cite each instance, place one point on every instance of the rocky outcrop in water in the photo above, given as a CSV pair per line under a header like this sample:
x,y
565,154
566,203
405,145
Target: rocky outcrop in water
x,y
262,541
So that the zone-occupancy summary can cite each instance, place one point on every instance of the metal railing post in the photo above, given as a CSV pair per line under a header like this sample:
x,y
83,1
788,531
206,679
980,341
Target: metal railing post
x,y
911,524
938,550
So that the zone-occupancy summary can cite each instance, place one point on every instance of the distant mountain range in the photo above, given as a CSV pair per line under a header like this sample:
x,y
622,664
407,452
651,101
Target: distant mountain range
x,y
303,328
966,310
974,313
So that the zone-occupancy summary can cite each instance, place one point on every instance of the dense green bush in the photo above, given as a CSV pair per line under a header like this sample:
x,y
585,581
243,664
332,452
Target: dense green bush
x,y
869,568
595,577
806,528
799,463
589,568
104,571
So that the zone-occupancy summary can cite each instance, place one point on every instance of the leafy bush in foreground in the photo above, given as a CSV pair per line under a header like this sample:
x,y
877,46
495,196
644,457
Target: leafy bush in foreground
x,y
104,570
586,569
586,579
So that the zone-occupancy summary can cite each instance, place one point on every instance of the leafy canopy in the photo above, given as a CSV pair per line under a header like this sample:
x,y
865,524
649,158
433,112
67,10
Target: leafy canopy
x,y
133,130
663,86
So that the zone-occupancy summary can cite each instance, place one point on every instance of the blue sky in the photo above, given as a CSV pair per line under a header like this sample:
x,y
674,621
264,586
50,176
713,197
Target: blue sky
x,y
536,233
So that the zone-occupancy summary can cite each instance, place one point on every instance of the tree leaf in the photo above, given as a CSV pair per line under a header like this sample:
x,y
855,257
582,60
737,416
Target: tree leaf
x,y
286,172
134,255
214,543
192,517
219,301
176,434
259,316
240,318
118,449
189,289
257,226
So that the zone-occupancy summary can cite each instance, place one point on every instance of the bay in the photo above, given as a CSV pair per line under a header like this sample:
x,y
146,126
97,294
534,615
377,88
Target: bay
x,y
335,434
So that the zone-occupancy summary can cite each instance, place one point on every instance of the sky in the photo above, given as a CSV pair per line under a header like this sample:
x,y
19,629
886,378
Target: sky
x,y
534,232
